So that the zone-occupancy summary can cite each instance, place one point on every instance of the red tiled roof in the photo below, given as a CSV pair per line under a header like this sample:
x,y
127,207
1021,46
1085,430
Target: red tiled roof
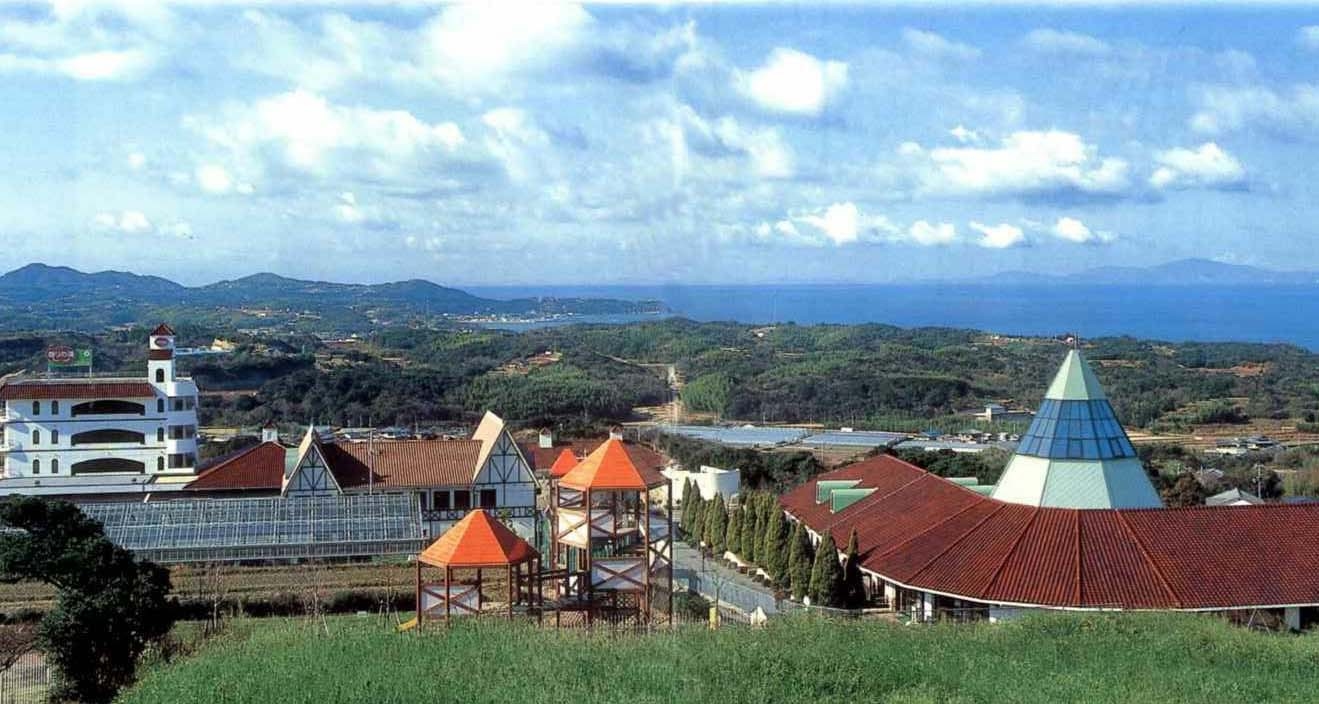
x,y
404,463
478,541
43,389
158,355
543,458
927,533
256,467
610,468
163,329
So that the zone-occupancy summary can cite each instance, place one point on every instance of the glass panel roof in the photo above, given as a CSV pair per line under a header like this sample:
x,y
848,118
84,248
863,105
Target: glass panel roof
x,y
1076,430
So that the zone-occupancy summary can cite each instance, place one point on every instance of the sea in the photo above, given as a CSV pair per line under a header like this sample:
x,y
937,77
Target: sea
x,y
1193,312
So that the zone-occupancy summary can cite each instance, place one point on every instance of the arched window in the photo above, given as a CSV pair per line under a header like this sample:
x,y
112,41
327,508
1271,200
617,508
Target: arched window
x,y
36,408
36,466
55,466
160,405
107,436
54,436
54,407
160,376
160,435
160,464
36,437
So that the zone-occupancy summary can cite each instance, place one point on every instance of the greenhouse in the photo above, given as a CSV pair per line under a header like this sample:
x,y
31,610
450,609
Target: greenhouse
x,y
230,530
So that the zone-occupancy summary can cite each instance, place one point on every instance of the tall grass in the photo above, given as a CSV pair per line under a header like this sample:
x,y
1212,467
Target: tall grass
x,y
1057,658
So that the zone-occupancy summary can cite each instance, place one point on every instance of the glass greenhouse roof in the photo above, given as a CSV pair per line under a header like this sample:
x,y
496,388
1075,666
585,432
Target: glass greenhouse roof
x,y
1076,430
219,530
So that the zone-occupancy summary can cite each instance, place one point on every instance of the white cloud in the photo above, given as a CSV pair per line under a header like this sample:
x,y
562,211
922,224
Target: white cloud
x,y
478,46
1308,36
517,141
302,132
1000,236
935,46
931,234
1073,230
1226,109
181,230
213,179
93,41
1207,166
763,148
959,133
793,82
136,161
1024,164
840,222
1064,42
129,222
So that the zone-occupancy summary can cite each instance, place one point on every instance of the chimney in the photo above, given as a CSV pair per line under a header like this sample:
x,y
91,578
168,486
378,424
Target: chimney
x,y
546,439
616,432
269,433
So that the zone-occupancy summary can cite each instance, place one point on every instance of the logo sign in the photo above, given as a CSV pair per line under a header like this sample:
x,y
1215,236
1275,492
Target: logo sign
x,y
161,342
61,354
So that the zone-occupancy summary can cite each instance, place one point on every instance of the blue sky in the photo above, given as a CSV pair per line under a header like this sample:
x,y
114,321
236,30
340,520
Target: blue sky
x,y
564,144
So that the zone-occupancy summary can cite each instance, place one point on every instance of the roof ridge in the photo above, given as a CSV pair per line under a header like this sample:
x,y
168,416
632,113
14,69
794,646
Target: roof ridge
x,y
1149,559
958,539
1007,554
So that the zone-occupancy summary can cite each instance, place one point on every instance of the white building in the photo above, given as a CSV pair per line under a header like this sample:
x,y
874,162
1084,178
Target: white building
x,y
709,480
103,425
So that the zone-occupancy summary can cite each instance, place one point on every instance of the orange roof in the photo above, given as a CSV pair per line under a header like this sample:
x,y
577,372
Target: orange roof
x,y
563,463
610,468
478,541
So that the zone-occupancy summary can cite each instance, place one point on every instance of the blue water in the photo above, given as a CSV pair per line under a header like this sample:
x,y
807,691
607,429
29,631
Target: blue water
x,y
1271,313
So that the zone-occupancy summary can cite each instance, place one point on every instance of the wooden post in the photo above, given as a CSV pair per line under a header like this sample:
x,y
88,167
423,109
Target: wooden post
x,y
419,612
448,594
586,561
668,560
645,556
478,590
510,592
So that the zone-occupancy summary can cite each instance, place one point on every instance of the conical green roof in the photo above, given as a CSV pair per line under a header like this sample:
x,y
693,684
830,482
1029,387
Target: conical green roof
x,y
1075,381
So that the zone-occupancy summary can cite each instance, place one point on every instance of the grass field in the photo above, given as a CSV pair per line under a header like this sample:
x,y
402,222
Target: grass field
x,y
1058,658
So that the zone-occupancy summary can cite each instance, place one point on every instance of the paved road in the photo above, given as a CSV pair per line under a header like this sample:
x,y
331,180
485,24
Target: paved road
x,y
711,577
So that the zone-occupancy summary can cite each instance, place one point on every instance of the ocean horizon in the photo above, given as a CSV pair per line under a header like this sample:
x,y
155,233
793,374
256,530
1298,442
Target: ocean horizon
x,y
1180,313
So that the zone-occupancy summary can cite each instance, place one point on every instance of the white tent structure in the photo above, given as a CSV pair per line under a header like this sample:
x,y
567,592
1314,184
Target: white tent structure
x,y
1076,454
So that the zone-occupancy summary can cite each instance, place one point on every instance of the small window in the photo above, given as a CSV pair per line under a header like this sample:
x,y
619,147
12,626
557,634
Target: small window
x,y
54,407
423,497
36,466
487,498
54,466
160,376
55,436
36,408
36,437
462,499
440,500
160,464
160,435
160,405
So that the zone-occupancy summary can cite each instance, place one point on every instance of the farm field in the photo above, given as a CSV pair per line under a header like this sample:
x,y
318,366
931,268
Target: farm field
x,y
1049,658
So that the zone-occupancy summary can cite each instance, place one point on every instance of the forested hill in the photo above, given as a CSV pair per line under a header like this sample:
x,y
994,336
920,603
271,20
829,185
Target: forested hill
x,y
863,376
41,297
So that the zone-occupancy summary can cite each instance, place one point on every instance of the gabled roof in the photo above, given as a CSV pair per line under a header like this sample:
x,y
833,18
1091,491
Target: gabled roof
x,y
37,389
260,466
610,468
478,541
404,463
487,433
311,445
563,464
924,532
163,329
1231,496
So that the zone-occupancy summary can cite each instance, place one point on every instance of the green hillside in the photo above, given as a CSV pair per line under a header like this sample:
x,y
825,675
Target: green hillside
x,y
1058,658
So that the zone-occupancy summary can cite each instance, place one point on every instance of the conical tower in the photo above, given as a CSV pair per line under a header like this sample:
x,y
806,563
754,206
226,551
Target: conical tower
x,y
1076,454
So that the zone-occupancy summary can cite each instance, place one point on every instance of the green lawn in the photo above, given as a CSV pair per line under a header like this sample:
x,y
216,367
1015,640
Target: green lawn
x,y
1053,659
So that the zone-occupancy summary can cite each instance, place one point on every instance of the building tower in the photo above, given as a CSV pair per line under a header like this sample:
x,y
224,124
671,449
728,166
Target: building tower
x,y
160,356
1076,454
608,523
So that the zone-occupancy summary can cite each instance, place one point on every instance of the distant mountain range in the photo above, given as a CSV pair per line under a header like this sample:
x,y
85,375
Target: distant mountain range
x,y
1183,272
39,296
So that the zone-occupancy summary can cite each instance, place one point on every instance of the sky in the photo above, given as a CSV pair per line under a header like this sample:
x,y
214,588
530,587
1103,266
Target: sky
x,y
541,144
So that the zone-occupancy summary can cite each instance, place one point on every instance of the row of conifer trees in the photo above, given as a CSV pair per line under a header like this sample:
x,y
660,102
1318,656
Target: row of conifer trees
x,y
758,533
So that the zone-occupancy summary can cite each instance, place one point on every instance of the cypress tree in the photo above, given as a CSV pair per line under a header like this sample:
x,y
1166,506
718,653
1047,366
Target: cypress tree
x,y
734,537
697,507
716,524
686,523
854,587
776,549
750,527
800,559
827,575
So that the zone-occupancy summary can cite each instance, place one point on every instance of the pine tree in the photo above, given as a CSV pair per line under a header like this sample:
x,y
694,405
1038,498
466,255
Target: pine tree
x,y
827,575
800,558
776,549
854,586
751,527
697,507
734,536
716,524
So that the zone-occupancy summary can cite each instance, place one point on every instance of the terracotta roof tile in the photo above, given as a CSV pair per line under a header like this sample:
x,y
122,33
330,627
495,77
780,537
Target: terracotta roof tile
x,y
256,467
44,389
611,468
404,463
564,464
478,541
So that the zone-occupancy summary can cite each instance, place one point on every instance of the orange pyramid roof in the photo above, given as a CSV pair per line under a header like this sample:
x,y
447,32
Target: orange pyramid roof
x,y
563,463
478,541
610,468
